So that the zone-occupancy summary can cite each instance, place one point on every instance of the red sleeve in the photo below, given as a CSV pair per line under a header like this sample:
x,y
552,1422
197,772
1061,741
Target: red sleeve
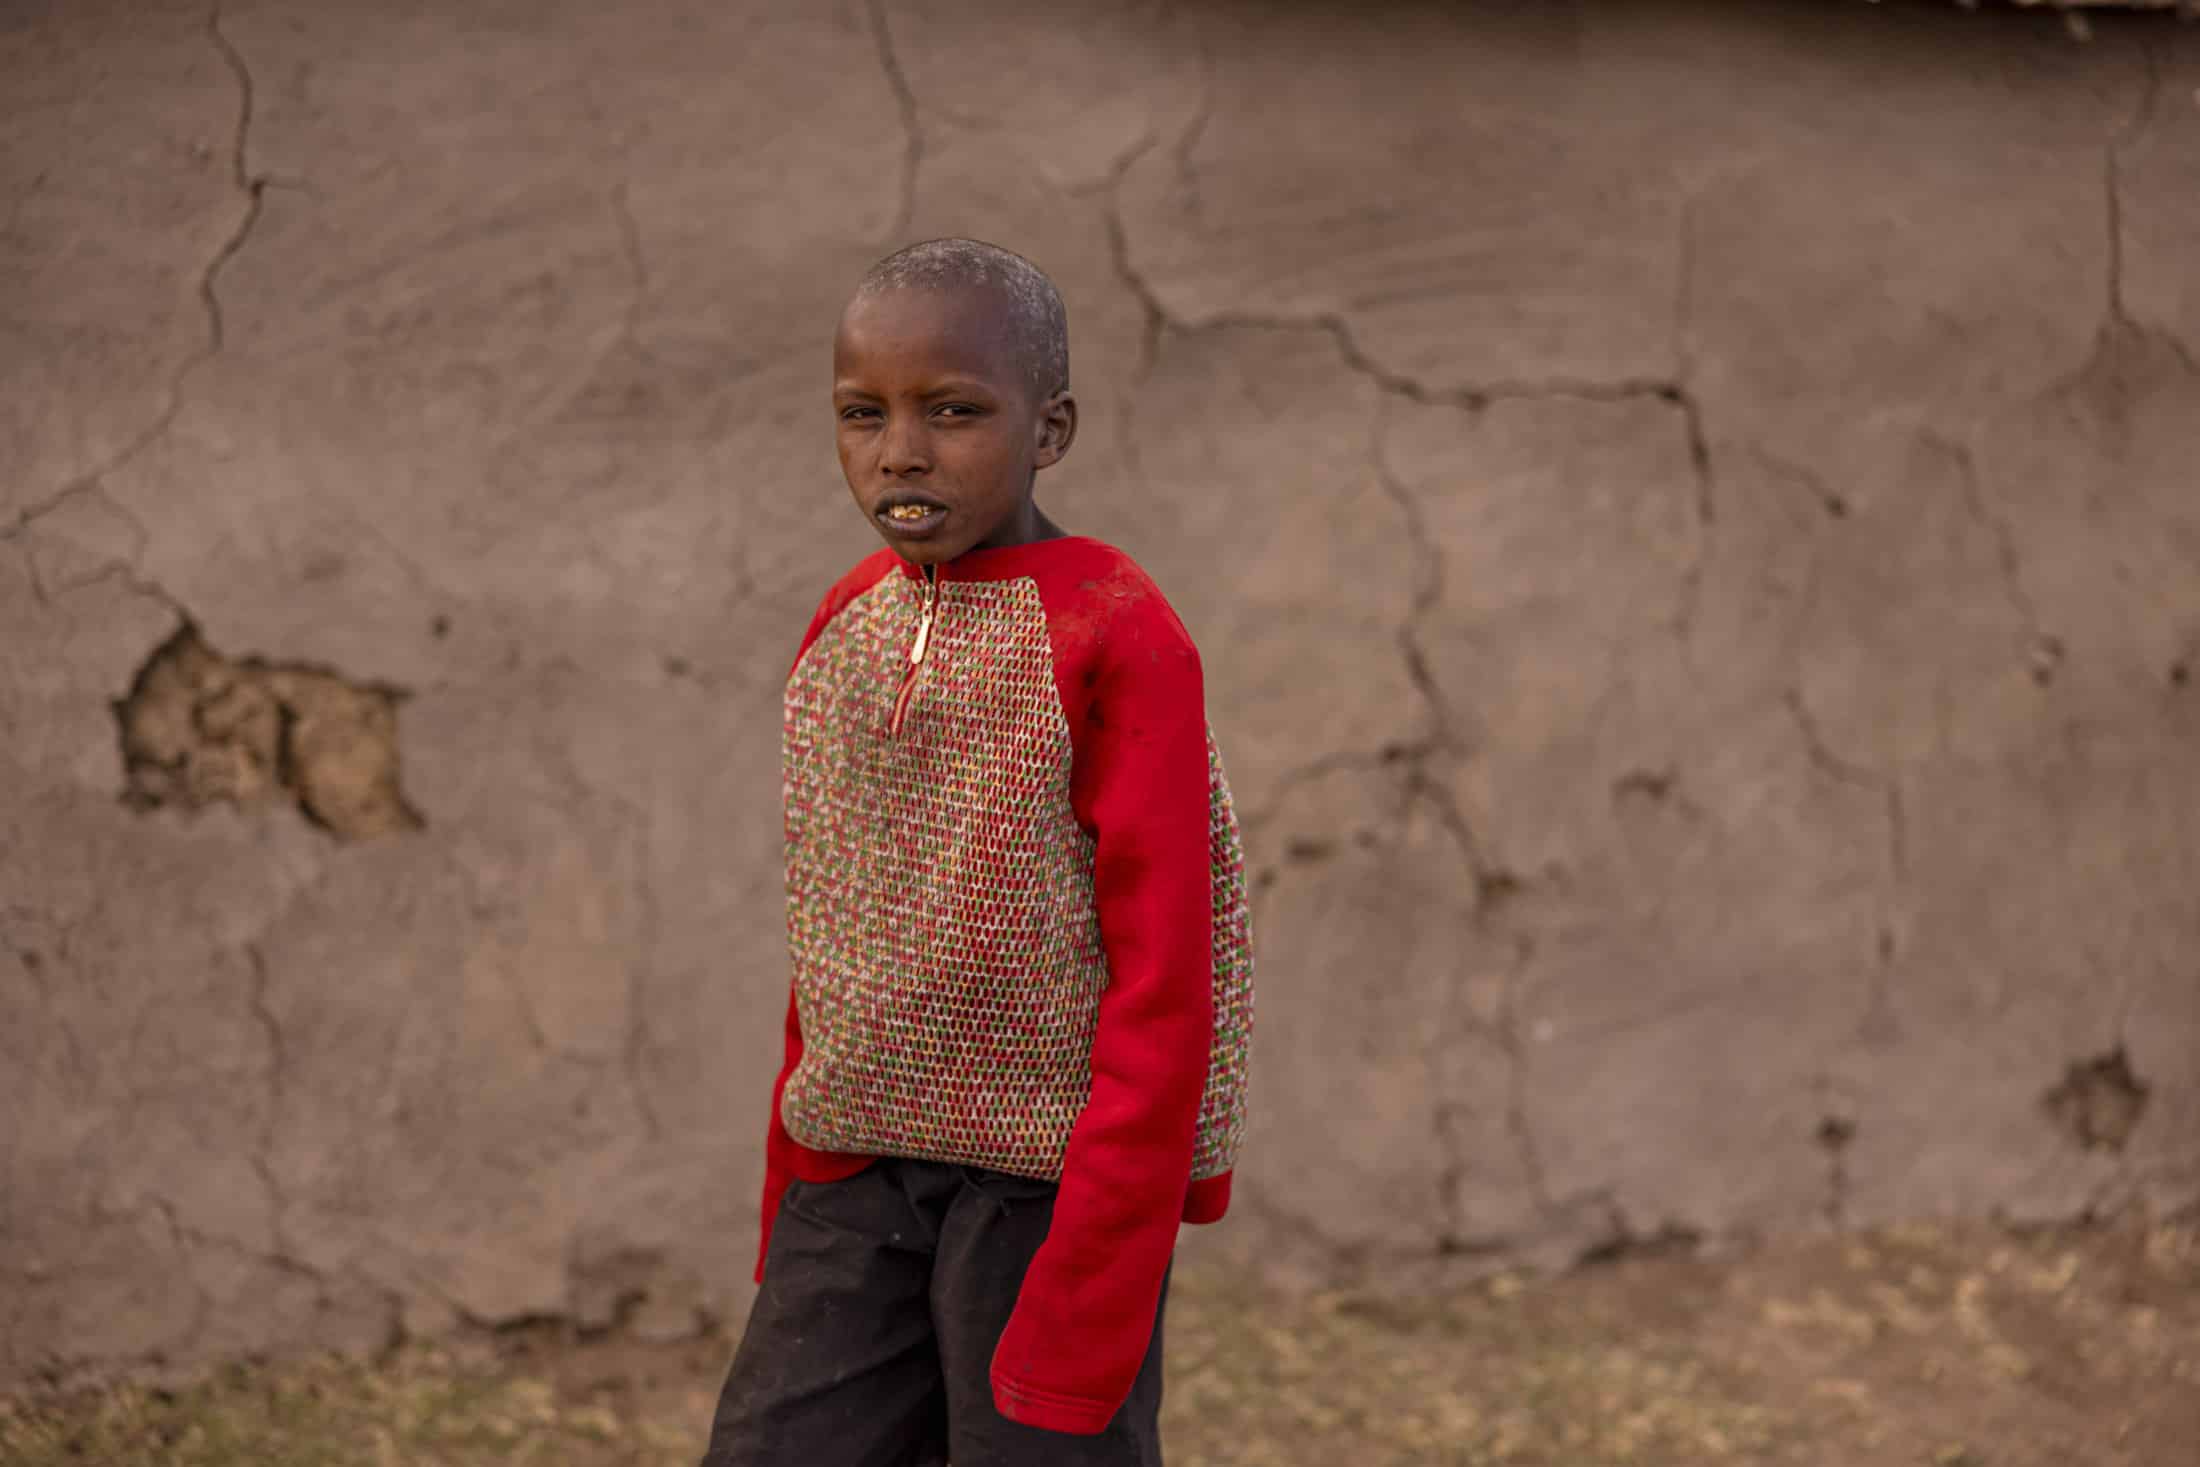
x,y
779,1147
1085,1314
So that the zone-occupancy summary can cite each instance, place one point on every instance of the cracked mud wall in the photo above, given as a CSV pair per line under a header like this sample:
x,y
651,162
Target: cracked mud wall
x,y
1690,508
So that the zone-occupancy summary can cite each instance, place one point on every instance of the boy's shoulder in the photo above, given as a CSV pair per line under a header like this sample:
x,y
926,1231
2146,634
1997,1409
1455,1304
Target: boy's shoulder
x,y
859,578
1097,592
1096,568
865,574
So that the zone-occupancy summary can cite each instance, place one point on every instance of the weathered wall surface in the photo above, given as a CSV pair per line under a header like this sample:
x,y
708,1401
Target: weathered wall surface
x,y
1692,509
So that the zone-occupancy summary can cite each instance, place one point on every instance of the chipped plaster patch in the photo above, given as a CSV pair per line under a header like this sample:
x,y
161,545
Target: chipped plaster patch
x,y
198,727
2098,1102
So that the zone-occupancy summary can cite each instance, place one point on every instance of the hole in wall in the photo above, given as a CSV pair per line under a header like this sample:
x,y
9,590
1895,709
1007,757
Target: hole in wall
x,y
198,728
2098,1102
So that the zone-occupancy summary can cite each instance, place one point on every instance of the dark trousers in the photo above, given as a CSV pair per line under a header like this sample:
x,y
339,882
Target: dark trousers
x,y
871,1339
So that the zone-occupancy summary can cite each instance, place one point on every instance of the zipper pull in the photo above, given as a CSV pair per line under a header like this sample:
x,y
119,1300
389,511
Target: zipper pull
x,y
924,623
917,649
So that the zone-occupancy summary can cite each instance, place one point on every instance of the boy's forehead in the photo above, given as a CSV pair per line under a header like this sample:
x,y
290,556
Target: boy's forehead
x,y
958,327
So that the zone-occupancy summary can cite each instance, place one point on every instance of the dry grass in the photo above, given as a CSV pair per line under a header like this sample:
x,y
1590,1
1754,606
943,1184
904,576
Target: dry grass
x,y
423,1408
1914,1347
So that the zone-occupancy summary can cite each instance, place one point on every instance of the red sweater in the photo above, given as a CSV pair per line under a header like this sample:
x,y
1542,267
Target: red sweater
x,y
1016,912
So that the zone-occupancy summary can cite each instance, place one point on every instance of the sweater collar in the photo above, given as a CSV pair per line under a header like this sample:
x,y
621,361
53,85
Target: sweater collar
x,y
1000,563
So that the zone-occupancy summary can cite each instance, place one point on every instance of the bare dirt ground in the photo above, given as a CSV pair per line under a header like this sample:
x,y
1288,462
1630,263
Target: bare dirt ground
x,y
1925,1346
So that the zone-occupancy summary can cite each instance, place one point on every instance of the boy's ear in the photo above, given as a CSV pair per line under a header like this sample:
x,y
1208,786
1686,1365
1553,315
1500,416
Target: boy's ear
x,y
1057,429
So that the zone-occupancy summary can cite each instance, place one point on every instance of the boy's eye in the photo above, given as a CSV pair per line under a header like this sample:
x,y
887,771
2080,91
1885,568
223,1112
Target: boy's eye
x,y
958,410
849,414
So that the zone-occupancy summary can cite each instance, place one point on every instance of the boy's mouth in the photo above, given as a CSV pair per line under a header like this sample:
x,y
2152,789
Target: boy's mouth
x,y
910,516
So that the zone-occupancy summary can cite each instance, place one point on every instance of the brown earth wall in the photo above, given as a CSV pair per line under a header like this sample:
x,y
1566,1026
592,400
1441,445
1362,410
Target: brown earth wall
x,y
1691,508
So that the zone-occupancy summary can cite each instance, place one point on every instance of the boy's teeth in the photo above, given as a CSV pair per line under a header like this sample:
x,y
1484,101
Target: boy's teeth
x,y
909,511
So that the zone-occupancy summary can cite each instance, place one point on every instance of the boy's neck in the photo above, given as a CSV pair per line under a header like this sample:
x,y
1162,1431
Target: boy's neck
x,y
1028,526
988,559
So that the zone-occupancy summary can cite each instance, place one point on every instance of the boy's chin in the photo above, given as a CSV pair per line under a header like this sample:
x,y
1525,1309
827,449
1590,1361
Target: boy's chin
x,y
926,552
938,547
923,549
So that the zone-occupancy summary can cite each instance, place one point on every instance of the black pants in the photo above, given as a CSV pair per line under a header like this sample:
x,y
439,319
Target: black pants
x,y
871,1338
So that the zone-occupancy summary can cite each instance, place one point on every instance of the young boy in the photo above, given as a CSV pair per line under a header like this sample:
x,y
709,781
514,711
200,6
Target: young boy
x,y
1021,1005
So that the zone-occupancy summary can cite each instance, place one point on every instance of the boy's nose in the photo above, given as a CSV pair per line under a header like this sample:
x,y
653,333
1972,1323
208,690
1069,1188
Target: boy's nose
x,y
902,449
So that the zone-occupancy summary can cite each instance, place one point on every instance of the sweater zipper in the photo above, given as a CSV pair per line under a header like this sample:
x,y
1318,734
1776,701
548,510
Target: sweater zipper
x,y
908,692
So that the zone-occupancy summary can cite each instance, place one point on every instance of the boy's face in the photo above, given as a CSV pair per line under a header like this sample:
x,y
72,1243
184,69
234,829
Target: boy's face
x,y
939,427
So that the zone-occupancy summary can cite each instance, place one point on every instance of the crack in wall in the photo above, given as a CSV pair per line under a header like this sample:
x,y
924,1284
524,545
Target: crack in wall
x,y
1878,1014
122,571
1340,1257
1834,1135
625,1064
1337,325
1672,390
1823,757
1697,435
1684,289
530,1022
1154,322
202,1299
2113,200
278,1068
61,1370
279,1259
912,124
42,944
635,1041
1623,1240
1457,1026
1454,1025
1699,453
2132,128
2045,650
94,480
251,187
1155,319
1203,112
1830,500
31,957
1517,1123
1336,761
1494,886
1427,584
2117,322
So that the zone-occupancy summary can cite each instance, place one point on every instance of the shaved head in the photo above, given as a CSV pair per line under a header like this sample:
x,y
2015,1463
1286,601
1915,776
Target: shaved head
x,y
1037,325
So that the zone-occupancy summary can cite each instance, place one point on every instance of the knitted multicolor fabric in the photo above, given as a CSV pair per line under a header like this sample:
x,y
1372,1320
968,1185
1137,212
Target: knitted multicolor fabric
x,y
1017,916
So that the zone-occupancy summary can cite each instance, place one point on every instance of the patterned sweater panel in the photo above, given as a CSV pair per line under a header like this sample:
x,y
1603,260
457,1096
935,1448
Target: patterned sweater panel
x,y
946,939
946,961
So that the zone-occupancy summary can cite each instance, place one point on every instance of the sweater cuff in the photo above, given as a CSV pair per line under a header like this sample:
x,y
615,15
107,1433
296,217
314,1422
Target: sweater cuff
x,y
1031,1406
1208,1199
